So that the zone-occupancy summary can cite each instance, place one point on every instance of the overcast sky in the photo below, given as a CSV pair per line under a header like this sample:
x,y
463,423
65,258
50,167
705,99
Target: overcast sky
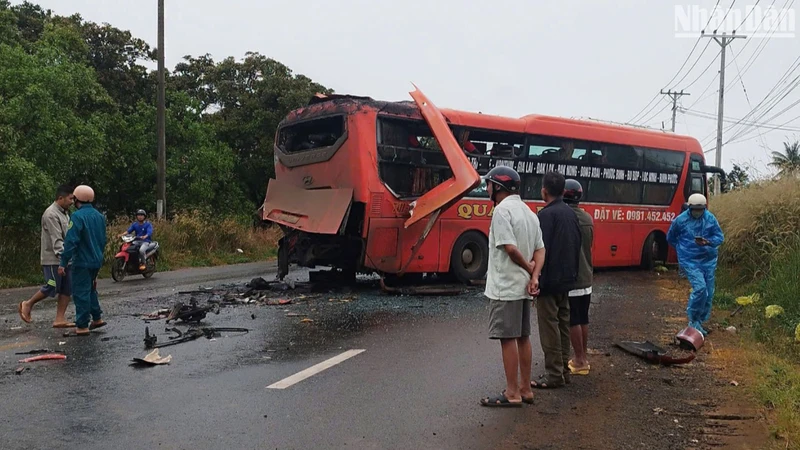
x,y
604,59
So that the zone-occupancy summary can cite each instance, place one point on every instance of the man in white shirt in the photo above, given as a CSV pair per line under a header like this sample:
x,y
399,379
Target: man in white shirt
x,y
516,257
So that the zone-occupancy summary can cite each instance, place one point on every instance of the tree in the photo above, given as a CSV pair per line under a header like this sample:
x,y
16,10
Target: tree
x,y
788,161
736,178
245,101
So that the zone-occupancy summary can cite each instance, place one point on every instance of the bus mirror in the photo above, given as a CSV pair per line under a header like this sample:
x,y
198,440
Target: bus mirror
x,y
465,177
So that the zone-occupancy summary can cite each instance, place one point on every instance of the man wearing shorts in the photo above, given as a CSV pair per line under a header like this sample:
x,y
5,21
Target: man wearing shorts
x,y
516,256
581,294
55,222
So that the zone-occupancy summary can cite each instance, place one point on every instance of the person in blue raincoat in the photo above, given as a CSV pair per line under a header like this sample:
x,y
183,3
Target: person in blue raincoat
x,y
696,236
83,247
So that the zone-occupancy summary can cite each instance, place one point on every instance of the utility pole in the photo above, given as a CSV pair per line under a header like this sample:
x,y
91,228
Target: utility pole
x,y
723,40
162,142
674,96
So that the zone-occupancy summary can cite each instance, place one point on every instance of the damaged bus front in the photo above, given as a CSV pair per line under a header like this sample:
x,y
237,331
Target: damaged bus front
x,y
328,195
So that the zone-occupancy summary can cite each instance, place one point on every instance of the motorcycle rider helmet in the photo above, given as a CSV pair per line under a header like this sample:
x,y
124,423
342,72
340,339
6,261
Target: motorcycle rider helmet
x,y
141,212
573,191
83,194
697,205
504,178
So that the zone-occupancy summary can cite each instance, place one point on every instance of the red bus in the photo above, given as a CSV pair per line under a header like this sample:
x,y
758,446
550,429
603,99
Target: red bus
x,y
392,187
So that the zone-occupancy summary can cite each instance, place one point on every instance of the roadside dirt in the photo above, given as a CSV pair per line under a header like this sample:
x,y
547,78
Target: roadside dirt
x,y
627,403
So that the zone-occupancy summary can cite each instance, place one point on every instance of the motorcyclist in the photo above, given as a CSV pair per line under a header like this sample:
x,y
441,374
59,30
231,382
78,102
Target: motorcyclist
x,y
696,236
143,232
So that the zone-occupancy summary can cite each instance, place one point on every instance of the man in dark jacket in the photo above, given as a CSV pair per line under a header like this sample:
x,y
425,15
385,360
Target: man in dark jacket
x,y
84,246
562,239
580,295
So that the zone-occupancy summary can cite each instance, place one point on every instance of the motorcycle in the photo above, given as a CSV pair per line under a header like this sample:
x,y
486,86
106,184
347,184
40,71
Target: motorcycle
x,y
126,261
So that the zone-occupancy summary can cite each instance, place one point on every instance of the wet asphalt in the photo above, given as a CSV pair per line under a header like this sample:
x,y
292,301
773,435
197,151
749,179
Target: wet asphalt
x,y
426,362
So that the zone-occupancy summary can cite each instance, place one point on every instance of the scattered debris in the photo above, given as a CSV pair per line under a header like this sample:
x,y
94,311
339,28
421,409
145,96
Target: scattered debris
x,y
43,357
658,411
690,339
296,315
16,328
62,343
19,370
259,284
152,359
38,351
306,320
734,383
151,341
238,250
731,329
653,353
157,314
191,312
423,290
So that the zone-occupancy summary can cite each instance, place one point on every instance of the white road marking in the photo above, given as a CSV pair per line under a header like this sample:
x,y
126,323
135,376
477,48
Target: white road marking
x,y
313,370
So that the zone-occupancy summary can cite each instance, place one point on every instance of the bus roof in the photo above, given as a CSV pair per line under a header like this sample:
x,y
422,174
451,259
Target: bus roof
x,y
529,124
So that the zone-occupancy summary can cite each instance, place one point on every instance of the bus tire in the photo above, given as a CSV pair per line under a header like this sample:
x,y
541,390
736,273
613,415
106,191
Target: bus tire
x,y
470,257
654,250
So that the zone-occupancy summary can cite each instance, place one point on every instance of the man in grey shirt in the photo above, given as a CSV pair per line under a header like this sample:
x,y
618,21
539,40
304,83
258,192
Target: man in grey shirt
x,y
55,223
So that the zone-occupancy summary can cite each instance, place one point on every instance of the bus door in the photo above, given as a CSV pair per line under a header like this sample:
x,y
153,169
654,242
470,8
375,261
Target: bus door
x,y
696,182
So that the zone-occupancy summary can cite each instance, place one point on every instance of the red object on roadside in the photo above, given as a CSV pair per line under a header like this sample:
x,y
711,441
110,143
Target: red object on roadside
x,y
43,357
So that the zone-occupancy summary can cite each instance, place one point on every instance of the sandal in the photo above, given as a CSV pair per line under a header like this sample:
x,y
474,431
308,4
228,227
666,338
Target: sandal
x,y
64,325
97,324
22,316
524,400
544,383
500,401
576,371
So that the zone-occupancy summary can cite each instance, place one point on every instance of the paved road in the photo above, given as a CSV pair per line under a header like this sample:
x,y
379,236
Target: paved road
x,y
425,363
162,283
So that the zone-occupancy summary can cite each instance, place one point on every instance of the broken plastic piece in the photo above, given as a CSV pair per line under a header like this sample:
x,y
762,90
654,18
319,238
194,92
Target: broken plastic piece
x,y
652,353
153,358
43,357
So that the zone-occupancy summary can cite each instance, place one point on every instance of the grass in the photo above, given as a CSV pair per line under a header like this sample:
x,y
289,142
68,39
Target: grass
x,y
187,240
761,254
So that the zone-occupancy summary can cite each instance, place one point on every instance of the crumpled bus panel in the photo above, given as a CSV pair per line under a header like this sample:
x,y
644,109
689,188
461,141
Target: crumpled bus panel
x,y
464,179
321,211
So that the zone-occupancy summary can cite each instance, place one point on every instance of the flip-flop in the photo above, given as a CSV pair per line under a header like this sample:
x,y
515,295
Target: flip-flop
x,y
500,402
524,400
576,371
21,316
64,325
92,326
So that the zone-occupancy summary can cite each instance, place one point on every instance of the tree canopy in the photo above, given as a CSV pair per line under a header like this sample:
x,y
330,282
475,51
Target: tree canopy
x,y
77,105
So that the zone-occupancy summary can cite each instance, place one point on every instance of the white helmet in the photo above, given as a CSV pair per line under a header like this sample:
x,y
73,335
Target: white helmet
x,y
697,201
83,194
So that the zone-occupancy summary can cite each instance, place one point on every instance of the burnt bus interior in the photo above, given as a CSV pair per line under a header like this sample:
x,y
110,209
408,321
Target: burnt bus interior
x,y
342,251
410,163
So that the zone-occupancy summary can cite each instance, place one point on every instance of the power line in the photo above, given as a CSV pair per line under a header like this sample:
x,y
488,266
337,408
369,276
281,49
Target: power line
x,y
794,66
674,96
712,116
633,119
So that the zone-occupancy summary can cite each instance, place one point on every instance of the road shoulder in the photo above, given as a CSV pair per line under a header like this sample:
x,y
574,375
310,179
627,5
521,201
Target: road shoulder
x,y
626,402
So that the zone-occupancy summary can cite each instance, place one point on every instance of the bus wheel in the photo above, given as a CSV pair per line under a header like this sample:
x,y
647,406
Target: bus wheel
x,y
654,250
470,257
